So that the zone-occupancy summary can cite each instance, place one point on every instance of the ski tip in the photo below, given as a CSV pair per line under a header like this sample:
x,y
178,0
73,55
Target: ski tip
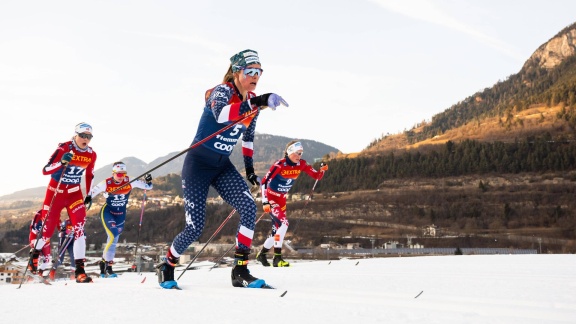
x,y
284,293
267,286
143,280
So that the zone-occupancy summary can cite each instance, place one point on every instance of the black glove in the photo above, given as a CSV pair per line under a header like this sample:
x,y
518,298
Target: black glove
x,y
88,202
252,177
270,100
261,100
148,179
66,158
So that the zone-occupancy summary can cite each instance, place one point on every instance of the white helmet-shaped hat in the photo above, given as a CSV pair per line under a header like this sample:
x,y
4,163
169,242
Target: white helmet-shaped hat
x,y
119,167
83,127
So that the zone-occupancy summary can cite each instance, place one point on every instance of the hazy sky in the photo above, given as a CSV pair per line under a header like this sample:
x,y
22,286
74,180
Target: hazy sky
x,y
350,70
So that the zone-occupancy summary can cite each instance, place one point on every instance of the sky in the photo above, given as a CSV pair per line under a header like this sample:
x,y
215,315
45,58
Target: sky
x,y
351,70
507,289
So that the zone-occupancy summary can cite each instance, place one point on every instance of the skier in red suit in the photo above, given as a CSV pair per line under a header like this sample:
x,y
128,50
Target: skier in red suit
x,y
66,166
275,186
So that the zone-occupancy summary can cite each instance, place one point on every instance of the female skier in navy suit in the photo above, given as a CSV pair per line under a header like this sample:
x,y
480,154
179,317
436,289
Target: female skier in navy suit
x,y
231,102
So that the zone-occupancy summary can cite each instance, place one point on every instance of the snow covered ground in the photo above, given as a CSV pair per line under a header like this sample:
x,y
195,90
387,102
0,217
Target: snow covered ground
x,y
431,289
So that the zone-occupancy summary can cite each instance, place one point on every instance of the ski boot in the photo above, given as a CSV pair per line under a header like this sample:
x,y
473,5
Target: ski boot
x,y
241,276
80,274
261,257
102,265
109,272
278,261
165,272
33,263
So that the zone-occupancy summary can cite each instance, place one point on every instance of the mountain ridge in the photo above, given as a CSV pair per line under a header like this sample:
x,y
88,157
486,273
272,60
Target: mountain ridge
x,y
269,148
539,99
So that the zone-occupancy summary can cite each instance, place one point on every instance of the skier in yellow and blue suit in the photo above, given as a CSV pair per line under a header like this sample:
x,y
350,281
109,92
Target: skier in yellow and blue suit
x,y
113,213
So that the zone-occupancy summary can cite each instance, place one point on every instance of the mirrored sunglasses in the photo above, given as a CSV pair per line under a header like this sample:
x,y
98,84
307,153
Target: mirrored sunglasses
x,y
85,136
253,71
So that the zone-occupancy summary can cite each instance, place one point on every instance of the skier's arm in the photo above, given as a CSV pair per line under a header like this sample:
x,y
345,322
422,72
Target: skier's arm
x,y
317,175
248,150
90,173
224,112
97,189
140,184
54,163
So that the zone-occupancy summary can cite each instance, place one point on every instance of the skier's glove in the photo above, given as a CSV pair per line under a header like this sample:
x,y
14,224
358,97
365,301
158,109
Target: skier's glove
x,y
66,158
252,177
88,202
271,100
148,179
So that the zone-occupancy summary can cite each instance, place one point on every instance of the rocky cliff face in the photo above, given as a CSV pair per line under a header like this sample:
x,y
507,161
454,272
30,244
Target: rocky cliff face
x,y
552,53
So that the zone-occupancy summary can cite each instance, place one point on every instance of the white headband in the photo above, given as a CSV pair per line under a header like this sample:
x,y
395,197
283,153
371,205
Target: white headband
x,y
294,148
119,168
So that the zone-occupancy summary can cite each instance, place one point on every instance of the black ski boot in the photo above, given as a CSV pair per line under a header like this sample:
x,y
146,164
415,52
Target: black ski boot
x,y
241,276
108,270
261,257
165,272
33,263
102,265
80,274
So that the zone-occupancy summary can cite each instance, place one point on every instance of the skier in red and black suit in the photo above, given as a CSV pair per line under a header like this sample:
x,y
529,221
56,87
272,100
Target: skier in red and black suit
x,y
66,166
275,186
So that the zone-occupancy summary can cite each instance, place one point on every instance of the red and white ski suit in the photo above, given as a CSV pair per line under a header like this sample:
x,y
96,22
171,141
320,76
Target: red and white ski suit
x,y
66,193
275,186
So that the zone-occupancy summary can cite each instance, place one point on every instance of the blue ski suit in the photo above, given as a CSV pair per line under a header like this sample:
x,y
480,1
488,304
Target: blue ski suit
x,y
209,165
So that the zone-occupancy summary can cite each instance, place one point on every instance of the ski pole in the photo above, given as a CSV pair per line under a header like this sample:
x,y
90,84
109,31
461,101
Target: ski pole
x,y
139,226
63,248
253,189
193,146
25,246
41,232
233,245
306,203
209,240
56,260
